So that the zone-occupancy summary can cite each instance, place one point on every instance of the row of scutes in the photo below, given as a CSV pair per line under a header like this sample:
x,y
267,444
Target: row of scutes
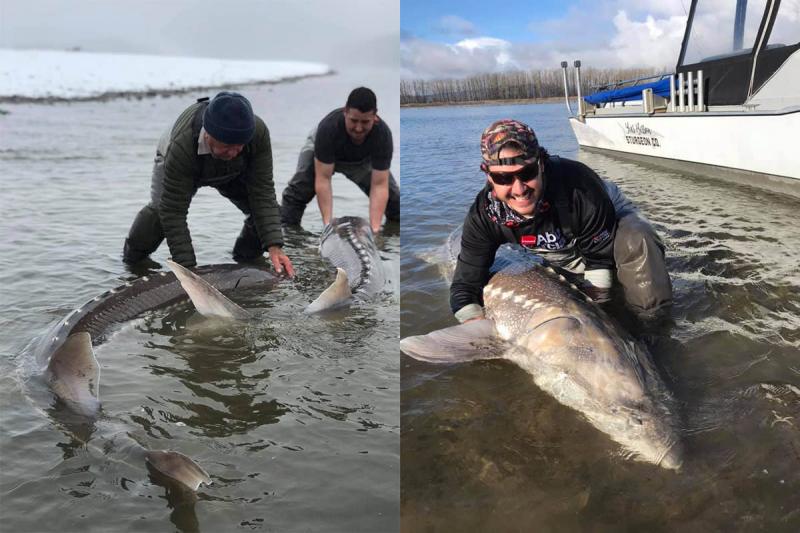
x,y
105,317
363,255
491,291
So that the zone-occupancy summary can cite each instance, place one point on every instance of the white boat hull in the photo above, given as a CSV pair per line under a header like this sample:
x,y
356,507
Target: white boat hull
x,y
766,144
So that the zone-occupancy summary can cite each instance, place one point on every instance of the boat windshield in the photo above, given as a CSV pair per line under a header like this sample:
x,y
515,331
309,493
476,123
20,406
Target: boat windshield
x,y
786,30
723,29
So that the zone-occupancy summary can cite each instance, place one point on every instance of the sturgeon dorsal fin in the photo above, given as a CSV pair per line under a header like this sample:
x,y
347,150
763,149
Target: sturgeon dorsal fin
x,y
337,294
466,342
178,467
207,300
74,374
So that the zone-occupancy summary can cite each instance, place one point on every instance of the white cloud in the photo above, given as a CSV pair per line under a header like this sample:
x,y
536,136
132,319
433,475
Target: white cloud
x,y
651,42
424,59
483,43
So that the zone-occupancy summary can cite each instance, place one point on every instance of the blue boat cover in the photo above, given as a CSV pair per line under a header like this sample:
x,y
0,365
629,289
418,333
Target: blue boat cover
x,y
634,92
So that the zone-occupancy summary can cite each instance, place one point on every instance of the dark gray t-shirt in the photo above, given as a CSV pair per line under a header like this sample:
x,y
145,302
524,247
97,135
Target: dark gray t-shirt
x,y
332,144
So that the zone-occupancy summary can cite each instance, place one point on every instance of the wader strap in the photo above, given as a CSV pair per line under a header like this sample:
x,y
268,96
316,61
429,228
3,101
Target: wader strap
x,y
197,120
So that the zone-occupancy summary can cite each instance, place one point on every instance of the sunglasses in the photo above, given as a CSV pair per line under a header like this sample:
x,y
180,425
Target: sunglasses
x,y
525,174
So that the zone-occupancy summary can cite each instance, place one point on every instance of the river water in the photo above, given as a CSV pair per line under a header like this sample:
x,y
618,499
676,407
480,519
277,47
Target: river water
x,y
295,418
484,450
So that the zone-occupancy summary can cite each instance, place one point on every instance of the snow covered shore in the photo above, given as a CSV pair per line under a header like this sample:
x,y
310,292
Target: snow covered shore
x,y
51,75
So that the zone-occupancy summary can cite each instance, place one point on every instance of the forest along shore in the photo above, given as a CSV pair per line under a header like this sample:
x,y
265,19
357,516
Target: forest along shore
x,y
511,101
513,87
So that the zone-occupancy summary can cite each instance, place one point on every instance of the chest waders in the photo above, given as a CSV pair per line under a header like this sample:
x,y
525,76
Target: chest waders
x,y
300,190
146,233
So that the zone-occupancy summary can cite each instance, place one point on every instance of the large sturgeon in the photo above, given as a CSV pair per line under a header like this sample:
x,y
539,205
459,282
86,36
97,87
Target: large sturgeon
x,y
574,352
348,244
73,372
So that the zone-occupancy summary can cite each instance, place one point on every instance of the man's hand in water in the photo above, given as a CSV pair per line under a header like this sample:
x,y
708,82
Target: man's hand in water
x,y
280,261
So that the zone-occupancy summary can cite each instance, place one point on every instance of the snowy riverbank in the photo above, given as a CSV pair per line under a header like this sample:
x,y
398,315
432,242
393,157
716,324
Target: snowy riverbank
x,y
51,75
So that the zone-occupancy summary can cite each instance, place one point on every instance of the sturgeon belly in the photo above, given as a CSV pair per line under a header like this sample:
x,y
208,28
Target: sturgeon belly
x,y
577,354
348,243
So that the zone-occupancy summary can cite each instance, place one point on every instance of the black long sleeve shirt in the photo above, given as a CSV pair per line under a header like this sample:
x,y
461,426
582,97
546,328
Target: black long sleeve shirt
x,y
574,220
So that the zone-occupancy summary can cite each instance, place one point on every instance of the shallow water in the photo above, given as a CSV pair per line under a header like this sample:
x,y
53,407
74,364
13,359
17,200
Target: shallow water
x,y
484,450
295,418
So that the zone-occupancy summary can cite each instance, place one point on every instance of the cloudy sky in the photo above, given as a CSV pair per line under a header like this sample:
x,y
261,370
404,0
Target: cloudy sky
x,y
339,33
456,38
426,38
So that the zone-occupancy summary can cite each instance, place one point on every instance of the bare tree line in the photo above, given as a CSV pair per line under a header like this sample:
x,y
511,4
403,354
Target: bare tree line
x,y
513,85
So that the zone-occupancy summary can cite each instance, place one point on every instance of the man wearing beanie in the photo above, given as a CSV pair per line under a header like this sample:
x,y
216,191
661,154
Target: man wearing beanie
x,y
355,142
219,144
561,210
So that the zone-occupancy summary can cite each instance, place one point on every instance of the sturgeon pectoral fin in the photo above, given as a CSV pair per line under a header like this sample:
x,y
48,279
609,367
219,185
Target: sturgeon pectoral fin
x,y
466,342
337,294
74,374
207,300
177,466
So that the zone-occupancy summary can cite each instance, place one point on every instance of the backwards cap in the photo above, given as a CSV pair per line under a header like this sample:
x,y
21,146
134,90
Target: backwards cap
x,y
509,131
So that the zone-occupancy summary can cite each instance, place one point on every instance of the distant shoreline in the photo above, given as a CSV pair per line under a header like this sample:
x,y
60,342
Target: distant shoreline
x,y
139,95
512,101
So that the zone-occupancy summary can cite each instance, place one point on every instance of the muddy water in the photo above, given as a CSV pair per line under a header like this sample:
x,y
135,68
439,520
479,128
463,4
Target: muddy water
x,y
484,450
295,418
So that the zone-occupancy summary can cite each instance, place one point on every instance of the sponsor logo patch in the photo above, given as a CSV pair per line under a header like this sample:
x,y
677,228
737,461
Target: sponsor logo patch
x,y
547,240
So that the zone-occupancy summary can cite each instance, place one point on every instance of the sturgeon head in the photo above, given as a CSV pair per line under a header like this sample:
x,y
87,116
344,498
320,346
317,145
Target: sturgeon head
x,y
574,352
347,243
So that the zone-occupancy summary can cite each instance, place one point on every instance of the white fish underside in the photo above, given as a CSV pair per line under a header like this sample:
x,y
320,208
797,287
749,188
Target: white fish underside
x,y
348,244
574,352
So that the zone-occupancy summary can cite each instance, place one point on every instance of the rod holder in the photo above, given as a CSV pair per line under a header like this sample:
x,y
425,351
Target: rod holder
x,y
564,65
701,103
581,106
672,93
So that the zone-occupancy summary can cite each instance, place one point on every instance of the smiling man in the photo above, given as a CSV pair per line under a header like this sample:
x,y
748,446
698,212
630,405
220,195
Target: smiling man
x,y
355,142
220,144
561,210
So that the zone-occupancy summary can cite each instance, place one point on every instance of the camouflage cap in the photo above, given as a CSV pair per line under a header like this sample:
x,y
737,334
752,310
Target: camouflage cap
x,y
506,131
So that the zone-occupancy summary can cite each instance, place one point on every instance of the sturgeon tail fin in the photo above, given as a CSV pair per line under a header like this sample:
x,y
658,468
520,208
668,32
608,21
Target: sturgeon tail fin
x,y
208,301
466,342
74,374
178,467
336,295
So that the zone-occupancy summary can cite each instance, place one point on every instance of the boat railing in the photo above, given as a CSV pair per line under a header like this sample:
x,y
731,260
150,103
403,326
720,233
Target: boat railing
x,y
621,83
685,96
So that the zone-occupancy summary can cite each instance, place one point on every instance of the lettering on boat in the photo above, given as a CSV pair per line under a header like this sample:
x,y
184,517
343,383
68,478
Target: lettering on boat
x,y
637,133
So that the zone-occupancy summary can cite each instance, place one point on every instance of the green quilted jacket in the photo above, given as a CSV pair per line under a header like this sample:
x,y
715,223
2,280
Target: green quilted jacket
x,y
186,171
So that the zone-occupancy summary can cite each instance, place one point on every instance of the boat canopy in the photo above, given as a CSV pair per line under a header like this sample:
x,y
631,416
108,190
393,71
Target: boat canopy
x,y
633,92
738,45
